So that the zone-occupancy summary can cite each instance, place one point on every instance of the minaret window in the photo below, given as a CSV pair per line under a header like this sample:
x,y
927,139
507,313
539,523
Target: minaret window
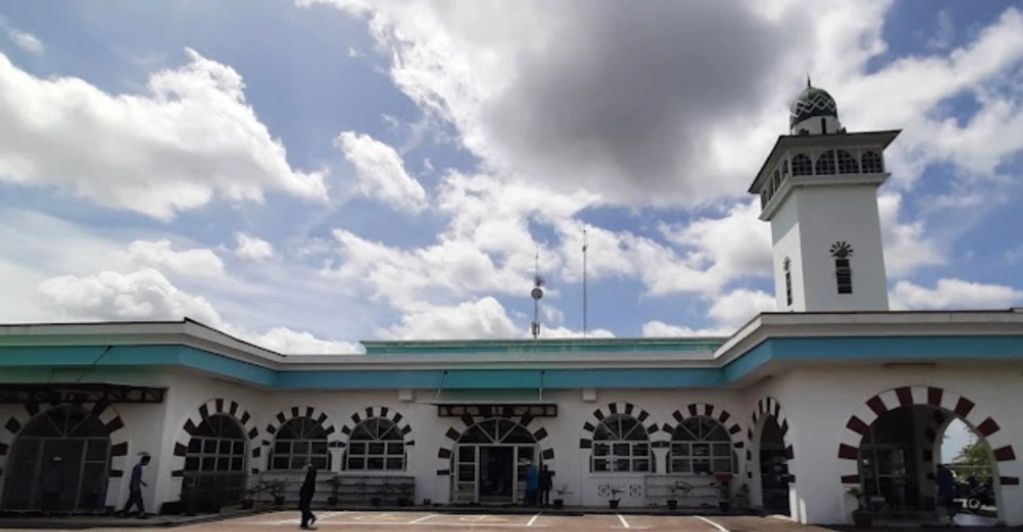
x,y
785,168
842,252
786,265
826,163
872,163
801,165
847,163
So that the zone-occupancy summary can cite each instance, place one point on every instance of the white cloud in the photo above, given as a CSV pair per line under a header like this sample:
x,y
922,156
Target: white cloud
x,y
159,254
906,245
953,294
481,318
146,294
285,340
737,244
190,137
737,307
381,172
252,248
141,295
26,41
659,329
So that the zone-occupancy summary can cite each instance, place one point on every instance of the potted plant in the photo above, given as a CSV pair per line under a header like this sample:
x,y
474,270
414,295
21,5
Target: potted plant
x,y
276,489
614,500
559,501
724,492
678,487
741,498
335,487
861,516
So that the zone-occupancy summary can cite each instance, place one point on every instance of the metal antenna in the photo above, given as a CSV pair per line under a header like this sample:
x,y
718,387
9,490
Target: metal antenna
x,y
586,244
536,293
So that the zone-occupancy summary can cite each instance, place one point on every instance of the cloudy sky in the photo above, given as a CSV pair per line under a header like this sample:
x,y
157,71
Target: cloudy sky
x,y
308,174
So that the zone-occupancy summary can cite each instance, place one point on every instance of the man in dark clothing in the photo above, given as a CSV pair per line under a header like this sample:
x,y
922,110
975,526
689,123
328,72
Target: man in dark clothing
x,y
135,488
546,483
305,498
51,485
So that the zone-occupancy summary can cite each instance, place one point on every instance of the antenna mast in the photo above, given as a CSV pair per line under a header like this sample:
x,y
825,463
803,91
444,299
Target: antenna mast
x,y
536,293
586,245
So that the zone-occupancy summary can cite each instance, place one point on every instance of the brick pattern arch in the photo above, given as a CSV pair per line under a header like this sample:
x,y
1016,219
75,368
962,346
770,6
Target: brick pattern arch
x,y
284,416
768,406
371,412
949,403
706,410
658,438
446,450
106,414
211,408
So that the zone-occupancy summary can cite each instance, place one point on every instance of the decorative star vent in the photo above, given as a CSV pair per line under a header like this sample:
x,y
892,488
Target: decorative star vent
x,y
786,264
841,250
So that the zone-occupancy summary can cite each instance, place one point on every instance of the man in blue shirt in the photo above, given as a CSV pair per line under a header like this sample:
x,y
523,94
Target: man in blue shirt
x,y
532,483
135,488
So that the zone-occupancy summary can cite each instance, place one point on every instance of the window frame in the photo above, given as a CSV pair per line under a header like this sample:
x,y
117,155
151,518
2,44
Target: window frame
x,y
713,451
617,449
362,454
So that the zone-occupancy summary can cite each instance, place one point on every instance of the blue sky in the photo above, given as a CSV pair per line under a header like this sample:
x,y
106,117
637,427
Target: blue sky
x,y
309,174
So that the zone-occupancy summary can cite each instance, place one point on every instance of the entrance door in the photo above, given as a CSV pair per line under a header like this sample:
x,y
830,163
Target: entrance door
x,y
490,462
65,449
497,474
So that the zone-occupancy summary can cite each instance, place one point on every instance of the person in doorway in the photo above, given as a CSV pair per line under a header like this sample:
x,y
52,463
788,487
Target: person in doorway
x,y
532,483
305,498
946,490
546,483
51,485
135,486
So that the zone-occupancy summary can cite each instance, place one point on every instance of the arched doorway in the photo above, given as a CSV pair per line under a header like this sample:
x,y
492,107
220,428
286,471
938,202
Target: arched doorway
x,y
490,461
215,461
898,458
68,446
774,468
890,453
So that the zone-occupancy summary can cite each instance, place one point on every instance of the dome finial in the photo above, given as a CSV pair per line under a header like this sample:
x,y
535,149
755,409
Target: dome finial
x,y
808,80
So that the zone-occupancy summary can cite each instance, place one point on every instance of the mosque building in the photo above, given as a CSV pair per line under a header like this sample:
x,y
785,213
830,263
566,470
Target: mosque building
x,y
788,415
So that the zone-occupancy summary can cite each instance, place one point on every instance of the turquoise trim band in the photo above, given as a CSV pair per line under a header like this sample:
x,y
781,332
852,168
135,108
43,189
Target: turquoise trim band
x,y
849,349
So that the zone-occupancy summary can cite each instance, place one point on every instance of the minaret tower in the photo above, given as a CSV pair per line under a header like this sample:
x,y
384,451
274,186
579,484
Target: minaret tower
x,y
818,188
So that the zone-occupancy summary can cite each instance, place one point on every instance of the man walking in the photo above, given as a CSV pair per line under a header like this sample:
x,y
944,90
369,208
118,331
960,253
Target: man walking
x,y
305,498
946,490
135,488
532,483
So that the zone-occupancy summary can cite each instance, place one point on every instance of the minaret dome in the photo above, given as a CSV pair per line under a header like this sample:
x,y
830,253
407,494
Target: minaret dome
x,y
814,112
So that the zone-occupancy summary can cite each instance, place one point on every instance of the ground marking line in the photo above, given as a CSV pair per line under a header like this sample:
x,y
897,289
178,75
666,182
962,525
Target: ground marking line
x,y
428,524
711,523
624,522
533,520
421,519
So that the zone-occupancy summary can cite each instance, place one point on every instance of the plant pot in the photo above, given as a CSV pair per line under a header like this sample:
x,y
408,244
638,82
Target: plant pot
x,y
724,506
613,503
862,519
247,504
279,500
672,504
404,501
375,502
332,500
559,504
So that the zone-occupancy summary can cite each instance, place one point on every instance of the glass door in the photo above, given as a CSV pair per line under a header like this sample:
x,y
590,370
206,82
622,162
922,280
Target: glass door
x,y
465,473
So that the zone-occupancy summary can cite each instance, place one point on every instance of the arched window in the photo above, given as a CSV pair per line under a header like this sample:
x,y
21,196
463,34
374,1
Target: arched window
x,y
801,165
82,443
871,162
621,444
376,444
300,441
701,445
215,460
775,182
847,163
826,163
